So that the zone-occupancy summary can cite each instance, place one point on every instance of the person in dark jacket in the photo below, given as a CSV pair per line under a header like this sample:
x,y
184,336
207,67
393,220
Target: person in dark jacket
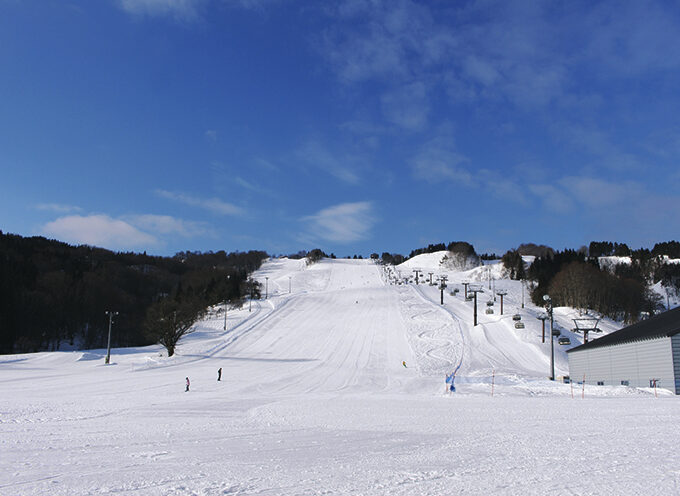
x,y
219,374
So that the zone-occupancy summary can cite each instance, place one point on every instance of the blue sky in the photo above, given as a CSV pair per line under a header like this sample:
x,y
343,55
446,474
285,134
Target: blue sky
x,y
354,126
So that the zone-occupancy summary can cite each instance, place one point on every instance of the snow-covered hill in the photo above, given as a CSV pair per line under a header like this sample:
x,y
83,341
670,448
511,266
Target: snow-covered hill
x,y
335,385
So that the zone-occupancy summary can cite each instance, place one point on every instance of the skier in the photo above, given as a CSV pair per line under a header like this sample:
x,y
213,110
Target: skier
x,y
404,364
188,383
219,374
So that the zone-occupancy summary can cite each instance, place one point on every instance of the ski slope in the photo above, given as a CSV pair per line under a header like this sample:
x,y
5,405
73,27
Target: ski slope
x,y
315,399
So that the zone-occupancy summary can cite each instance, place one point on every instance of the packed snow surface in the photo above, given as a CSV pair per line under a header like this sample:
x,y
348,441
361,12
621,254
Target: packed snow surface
x,y
335,384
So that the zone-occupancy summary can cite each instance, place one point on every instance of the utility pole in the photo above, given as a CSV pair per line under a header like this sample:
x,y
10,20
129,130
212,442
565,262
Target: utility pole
x,y
266,288
501,293
442,287
108,346
522,293
475,290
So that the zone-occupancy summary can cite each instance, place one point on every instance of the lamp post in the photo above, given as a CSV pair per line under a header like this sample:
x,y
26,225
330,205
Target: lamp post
x,y
266,288
225,306
108,346
250,301
549,304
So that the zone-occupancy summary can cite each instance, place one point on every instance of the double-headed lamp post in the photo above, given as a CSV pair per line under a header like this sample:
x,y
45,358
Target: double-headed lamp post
x,y
226,303
548,303
108,346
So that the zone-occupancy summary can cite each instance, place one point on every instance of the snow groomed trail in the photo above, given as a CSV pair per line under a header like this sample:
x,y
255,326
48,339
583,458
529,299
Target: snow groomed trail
x,y
315,399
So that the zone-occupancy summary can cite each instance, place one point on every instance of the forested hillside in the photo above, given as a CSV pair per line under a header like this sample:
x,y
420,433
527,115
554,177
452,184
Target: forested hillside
x,y
52,293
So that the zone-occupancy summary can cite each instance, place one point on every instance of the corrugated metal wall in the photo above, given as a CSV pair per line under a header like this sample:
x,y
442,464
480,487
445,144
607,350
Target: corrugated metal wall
x,y
637,363
675,340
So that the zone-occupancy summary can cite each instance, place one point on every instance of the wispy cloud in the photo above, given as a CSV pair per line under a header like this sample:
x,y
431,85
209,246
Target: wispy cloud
x,y
57,207
214,205
168,225
344,223
211,134
182,10
439,161
407,106
316,155
99,230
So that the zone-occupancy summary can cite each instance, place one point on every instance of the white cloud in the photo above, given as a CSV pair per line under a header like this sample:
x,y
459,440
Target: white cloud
x,y
212,204
184,10
98,230
342,223
211,134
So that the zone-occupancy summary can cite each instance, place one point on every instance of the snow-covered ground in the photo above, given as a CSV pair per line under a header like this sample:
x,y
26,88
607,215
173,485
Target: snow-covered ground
x,y
315,399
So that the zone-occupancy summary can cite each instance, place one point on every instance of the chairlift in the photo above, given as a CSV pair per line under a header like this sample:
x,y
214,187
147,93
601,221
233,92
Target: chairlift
x,y
489,310
489,303
517,317
564,340
519,325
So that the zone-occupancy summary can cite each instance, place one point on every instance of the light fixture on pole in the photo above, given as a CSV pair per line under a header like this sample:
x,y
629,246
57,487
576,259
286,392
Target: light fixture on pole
x,y
225,305
108,346
549,304
250,302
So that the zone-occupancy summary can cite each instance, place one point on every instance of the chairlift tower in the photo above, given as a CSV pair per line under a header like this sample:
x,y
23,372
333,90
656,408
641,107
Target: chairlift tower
x,y
501,293
466,284
431,274
586,325
475,289
543,317
417,273
442,287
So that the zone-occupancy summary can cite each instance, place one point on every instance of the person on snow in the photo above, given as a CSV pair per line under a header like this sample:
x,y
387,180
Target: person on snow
x,y
404,364
188,383
219,374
